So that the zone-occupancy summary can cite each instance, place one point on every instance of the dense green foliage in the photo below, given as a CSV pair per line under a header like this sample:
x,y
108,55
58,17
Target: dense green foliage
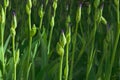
x,y
59,40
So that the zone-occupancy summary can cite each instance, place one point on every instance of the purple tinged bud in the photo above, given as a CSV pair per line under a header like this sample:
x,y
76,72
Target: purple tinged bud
x,y
67,7
14,21
13,13
102,6
108,25
62,31
62,39
80,5
70,25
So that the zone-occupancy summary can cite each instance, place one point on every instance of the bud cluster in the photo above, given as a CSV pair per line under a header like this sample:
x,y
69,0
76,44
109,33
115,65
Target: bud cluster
x,y
61,44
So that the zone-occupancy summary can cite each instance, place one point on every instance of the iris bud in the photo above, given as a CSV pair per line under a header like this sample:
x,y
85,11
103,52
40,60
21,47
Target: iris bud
x,y
6,3
2,15
52,22
116,2
78,14
89,9
103,20
41,13
59,49
29,3
28,10
62,39
68,20
12,31
55,5
68,35
33,31
14,21
17,56
96,3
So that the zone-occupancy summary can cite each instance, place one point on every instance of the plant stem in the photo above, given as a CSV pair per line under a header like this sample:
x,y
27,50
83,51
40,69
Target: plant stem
x,y
73,52
2,28
115,44
13,49
61,62
29,46
51,30
49,42
40,25
2,48
67,65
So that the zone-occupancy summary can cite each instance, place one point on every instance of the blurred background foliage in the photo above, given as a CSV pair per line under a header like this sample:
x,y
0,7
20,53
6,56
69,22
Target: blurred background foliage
x,y
46,68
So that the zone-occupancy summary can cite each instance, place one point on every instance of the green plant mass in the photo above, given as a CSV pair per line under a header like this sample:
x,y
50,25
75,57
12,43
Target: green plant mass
x,y
59,40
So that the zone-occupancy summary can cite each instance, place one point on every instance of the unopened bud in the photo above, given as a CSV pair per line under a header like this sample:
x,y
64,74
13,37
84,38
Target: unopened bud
x,y
78,14
96,3
28,10
52,22
59,49
12,31
14,21
2,15
62,39
6,3
66,70
17,56
116,2
33,31
41,13
55,5
68,35
103,20
89,9
29,3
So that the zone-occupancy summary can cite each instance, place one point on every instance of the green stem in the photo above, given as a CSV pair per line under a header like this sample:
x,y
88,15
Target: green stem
x,y
13,49
2,25
90,59
2,48
49,43
51,31
61,62
40,25
115,45
73,52
67,65
29,48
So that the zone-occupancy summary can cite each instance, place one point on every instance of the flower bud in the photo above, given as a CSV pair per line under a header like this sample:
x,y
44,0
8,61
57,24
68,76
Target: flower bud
x,y
28,10
41,13
103,20
12,31
89,9
52,22
34,2
96,3
14,21
29,4
6,3
33,31
55,5
17,56
59,49
97,16
78,14
116,2
68,20
66,70
2,15
62,39
68,35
